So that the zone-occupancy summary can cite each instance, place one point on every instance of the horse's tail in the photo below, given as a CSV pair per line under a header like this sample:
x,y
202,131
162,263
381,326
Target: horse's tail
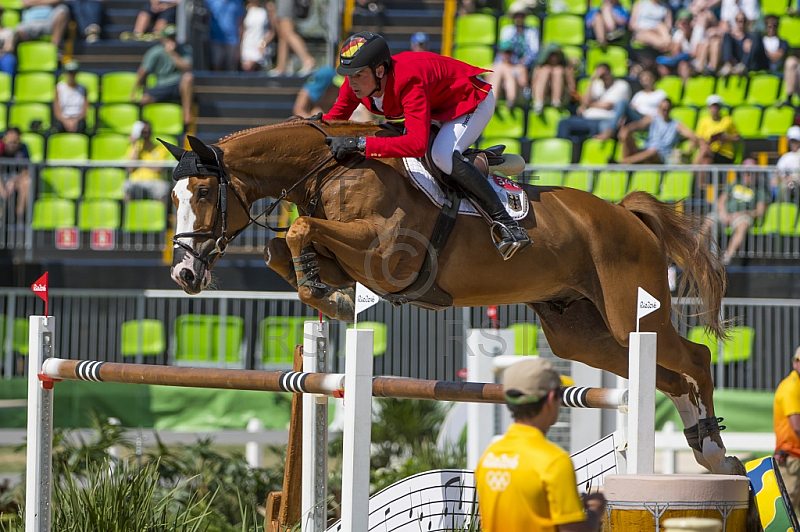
x,y
683,243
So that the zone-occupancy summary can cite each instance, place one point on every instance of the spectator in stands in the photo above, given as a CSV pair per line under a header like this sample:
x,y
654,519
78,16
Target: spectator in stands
x,y
258,33
663,136
737,207
730,8
741,51
596,111
8,61
651,24
420,42
786,424
70,103
40,18
786,182
718,134
553,79
289,38
516,54
146,182
159,13
691,47
88,17
225,31
607,23
318,93
16,178
171,64
643,106
775,48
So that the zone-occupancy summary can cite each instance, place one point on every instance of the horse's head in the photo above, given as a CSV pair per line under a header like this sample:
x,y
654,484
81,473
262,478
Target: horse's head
x,y
210,213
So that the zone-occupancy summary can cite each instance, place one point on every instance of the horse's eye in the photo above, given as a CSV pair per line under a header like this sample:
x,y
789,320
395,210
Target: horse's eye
x,y
203,192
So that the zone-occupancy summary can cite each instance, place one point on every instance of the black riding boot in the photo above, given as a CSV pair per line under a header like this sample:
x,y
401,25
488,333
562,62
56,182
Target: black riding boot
x,y
506,234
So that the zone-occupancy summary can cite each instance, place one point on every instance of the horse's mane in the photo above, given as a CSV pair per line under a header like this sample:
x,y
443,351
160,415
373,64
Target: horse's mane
x,y
333,126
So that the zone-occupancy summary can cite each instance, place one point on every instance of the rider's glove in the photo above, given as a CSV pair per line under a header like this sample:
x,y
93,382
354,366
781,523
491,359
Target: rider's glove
x,y
342,147
314,118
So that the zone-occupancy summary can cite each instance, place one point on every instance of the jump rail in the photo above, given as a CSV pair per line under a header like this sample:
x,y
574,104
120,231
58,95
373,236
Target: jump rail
x,y
314,383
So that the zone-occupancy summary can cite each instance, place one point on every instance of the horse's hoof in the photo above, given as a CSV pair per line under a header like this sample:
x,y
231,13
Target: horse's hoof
x,y
345,306
734,466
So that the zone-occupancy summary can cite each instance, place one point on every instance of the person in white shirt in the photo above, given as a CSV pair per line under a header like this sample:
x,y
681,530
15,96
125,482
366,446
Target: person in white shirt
x,y
731,8
258,33
596,111
775,48
70,103
643,106
786,182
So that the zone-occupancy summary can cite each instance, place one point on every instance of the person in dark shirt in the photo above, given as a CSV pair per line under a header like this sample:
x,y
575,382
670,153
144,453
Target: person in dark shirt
x,y
16,178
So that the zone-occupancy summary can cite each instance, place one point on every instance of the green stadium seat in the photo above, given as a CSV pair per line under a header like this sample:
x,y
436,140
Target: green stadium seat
x,y
596,151
645,180
104,183
144,337
6,87
278,336
673,86
476,28
737,348
11,4
676,186
615,56
512,145
379,338
37,56
579,179
779,219
165,118
748,121
208,340
20,341
583,85
3,117
544,125
552,152
34,87
479,55
90,81
763,90
685,115
109,147
610,185
116,87
789,30
117,118
68,146
10,18
547,178
61,181
774,7
700,335
574,56
35,144
145,216
506,123
98,214
697,90
776,121
50,213
531,21
703,112
563,29
525,339
732,89
573,7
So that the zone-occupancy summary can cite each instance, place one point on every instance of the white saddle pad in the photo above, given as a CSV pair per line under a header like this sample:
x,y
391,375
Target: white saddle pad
x,y
514,199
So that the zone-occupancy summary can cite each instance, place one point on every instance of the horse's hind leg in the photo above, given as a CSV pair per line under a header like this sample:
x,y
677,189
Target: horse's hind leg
x,y
335,301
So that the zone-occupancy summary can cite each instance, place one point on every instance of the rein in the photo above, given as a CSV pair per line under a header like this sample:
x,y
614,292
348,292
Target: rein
x,y
218,170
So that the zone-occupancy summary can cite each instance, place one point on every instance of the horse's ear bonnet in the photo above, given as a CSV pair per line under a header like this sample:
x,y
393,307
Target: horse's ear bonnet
x,y
200,162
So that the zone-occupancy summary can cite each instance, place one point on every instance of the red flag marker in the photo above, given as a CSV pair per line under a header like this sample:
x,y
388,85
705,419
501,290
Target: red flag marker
x,y
491,312
39,287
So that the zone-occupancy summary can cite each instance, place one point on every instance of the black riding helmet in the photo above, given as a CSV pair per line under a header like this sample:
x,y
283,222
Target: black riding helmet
x,y
362,50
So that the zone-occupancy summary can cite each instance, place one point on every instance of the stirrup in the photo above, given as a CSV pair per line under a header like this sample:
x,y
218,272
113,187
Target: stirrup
x,y
506,242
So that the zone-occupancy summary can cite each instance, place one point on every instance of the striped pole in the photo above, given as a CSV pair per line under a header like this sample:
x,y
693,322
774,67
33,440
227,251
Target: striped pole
x,y
315,383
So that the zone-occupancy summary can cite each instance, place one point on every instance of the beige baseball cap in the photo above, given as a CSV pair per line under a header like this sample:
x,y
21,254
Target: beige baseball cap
x,y
530,381
796,353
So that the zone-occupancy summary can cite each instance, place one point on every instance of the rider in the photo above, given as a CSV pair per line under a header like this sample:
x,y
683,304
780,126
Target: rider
x,y
420,87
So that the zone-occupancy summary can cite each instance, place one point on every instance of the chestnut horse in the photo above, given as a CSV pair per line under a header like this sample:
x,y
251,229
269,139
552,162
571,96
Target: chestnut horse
x,y
365,221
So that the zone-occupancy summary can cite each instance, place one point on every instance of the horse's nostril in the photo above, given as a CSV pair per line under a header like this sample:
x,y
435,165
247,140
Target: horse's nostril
x,y
187,275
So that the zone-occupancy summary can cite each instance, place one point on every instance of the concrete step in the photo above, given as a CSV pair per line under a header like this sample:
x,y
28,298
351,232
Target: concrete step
x,y
235,110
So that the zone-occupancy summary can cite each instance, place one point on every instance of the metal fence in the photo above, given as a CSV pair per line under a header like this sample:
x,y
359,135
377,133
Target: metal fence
x,y
776,235
418,343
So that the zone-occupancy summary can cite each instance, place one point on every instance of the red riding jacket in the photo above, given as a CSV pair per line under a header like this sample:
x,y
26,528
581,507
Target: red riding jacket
x,y
420,87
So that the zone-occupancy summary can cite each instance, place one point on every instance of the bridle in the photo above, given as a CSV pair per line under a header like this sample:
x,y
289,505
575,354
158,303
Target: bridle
x,y
191,164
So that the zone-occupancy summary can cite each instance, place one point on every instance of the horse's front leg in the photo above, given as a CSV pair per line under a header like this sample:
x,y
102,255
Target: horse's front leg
x,y
342,239
335,299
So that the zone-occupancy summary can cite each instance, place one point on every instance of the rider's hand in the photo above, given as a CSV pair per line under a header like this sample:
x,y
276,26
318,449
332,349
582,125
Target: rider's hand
x,y
342,147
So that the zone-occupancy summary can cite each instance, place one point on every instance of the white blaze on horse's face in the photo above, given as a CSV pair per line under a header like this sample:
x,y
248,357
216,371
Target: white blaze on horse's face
x,y
185,271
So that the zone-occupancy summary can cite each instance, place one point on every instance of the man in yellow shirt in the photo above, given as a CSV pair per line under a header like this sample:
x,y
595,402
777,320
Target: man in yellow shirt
x,y
146,182
526,483
719,134
786,420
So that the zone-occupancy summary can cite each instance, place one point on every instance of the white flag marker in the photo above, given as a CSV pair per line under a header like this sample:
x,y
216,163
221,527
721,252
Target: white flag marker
x,y
645,304
365,298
